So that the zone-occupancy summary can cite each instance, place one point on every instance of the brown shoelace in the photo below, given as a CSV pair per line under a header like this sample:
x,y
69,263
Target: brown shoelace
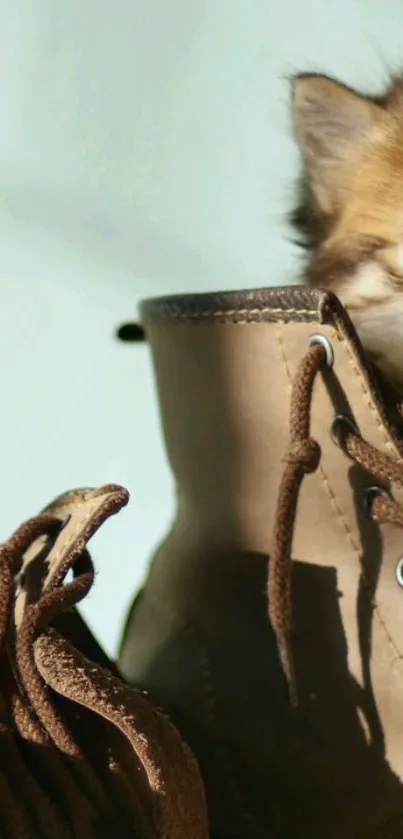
x,y
82,756
302,458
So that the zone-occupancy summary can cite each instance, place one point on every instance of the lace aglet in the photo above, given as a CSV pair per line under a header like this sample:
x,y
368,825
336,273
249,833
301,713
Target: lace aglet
x,y
287,663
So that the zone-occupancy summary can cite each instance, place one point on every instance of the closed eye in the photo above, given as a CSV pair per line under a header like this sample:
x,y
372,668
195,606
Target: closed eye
x,y
391,259
395,278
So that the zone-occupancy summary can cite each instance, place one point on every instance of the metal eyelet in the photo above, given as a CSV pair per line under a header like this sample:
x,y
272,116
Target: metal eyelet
x,y
338,422
317,338
399,572
369,497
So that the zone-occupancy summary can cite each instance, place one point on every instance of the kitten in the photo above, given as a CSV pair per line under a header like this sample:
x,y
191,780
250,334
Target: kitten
x,y
351,212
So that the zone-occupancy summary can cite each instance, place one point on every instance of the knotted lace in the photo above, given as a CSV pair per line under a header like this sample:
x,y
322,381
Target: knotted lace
x,y
303,457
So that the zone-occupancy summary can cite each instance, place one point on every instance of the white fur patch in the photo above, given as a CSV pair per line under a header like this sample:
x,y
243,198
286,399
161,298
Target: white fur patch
x,y
369,283
380,322
399,257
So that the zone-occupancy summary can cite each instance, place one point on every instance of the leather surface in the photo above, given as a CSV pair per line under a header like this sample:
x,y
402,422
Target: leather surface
x,y
200,639
87,723
296,302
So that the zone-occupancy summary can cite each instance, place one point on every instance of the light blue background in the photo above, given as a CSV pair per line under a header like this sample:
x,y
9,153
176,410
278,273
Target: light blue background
x,y
145,148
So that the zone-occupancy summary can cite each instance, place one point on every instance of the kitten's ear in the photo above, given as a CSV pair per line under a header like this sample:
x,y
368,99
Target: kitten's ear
x,y
331,122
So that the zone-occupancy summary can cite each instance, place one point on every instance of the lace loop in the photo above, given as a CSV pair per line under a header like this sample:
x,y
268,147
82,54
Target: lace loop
x,y
82,755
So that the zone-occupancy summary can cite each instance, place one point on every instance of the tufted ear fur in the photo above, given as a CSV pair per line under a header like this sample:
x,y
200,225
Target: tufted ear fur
x,y
332,124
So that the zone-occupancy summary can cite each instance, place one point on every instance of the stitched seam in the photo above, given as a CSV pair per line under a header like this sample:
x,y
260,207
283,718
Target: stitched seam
x,y
355,546
228,313
391,448
340,515
334,502
284,359
364,388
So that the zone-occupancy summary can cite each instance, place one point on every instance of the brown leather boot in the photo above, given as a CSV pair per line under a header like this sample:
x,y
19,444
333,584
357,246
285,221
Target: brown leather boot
x,y
270,627
82,755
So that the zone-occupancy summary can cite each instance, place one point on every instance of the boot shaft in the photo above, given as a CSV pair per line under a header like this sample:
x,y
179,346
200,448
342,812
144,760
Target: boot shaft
x,y
225,367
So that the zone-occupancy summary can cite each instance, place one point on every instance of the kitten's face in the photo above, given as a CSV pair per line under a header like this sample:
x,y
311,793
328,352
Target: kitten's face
x,y
352,209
